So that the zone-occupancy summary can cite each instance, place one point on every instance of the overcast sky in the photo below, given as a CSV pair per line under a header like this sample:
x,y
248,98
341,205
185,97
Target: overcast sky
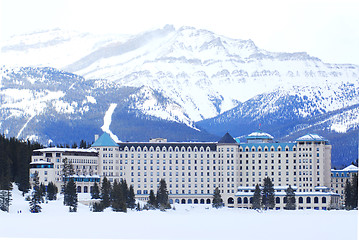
x,y
325,29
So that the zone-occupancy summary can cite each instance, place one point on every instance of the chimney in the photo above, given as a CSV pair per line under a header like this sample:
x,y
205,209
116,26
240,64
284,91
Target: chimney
x,y
96,137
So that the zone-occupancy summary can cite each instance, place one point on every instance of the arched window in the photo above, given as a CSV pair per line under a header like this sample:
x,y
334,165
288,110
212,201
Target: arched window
x,y
239,200
195,201
308,200
132,149
91,189
201,201
183,201
277,200
171,201
208,201
324,200
300,200
79,189
177,201
230,200
251,200
138,149
164,149
245,200
285,199
85,189
189,201
316,200
145,149
189,149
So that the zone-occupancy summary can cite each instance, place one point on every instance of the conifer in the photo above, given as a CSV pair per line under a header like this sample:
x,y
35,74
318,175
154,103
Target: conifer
x,y
105,193
131,203
35,200
152,201
217,199
290,196
268,194
70,195
162,196
51,191
256,202
95,192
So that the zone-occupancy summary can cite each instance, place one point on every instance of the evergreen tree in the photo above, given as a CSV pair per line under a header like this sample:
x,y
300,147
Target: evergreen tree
x,y
131,203
351,193
152,201
105,193
5,200
256,202
51,191
83,144
42,191
70,195
36,197
74,145
95,192
67,172
118,202
290,196
162,196
268,194
355,191
97,207
217,199
124,188
138,207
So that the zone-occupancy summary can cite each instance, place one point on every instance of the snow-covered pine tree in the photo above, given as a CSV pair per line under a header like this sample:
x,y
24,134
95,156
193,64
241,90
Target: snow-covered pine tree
x,y
36,197
105,193
70,195
51,191
217,199
290,196
152,201
268,194
256,202
162,196
131,203
95,192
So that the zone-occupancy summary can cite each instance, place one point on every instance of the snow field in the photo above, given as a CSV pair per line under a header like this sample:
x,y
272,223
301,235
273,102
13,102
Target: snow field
x,y
186,222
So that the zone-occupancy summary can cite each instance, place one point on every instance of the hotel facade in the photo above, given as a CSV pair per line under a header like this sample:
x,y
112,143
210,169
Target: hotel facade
x,y
192,170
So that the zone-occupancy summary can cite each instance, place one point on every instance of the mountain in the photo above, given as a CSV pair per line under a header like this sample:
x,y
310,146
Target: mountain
x,y
185,77
49,105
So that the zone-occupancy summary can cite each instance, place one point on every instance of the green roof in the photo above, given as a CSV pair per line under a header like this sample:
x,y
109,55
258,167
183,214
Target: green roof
x,y
105,141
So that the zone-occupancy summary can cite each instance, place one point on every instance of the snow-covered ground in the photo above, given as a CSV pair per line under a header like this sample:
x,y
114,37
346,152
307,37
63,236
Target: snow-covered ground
x,y
186,222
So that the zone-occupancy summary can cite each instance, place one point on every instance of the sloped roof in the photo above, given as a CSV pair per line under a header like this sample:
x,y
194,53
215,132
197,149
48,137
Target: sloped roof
x,y
260,135
227,138
312,137
105,141
351,168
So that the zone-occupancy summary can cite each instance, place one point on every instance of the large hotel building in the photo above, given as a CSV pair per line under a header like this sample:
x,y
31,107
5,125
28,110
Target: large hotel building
x,y
193,170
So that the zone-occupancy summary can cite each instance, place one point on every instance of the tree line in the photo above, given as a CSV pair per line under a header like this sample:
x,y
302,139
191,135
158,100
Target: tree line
x,y
351,193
